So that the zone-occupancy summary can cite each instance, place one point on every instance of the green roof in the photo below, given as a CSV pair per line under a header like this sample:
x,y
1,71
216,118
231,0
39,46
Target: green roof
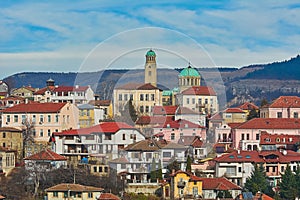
x,y
150,53
189,71
167,93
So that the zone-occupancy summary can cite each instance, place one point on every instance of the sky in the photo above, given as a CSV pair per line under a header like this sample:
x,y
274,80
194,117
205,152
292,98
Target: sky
x,y
74,36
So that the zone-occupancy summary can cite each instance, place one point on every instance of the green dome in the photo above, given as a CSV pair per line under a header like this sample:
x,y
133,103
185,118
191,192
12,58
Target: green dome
x,y
150,53
189,71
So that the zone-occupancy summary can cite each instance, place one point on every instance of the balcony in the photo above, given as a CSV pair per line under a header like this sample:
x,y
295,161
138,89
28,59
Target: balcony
x,y
228,141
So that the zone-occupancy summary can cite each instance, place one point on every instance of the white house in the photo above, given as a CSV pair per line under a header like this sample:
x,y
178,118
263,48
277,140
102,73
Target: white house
x,y
107,138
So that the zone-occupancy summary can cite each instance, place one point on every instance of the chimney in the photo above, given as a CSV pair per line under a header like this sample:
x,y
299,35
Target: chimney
x,y
26,101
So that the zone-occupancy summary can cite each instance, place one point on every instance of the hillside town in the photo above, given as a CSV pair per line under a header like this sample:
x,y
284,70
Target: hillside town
x,y
147,142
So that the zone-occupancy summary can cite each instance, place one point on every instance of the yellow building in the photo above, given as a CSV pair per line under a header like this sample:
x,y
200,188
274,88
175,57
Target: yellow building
x,y
86,115
144,97
234,115
73,191
105,105
183,185
25,92
11,138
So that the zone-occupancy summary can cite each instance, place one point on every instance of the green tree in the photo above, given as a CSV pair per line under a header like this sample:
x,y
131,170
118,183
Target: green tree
x,y
172,166
224,194
159,170
188,164
257,180
252,114
153,175
128,114
297,177
287,186
264,102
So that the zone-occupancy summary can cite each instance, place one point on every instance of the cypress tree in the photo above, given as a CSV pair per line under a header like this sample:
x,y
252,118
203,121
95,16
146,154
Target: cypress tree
x,y
287,186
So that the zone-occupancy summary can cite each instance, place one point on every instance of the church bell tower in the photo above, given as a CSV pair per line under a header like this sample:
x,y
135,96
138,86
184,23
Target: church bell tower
x,y
150,68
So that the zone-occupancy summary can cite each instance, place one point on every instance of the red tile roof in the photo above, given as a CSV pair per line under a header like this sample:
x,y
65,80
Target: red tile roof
x,y
220,183
100,102
233,125
180,123
147,145
234,110
200,90
64,187
194,141
278,139
105,127
70,88
240,156
164,110
248,106
43,90
10,129
153,120
46,155
185,110
286,102
271,123
216,117
108,196
259,157
35,107
137,86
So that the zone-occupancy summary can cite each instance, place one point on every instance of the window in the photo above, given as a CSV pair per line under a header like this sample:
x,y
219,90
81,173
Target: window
x,y
248,136
56,118
152,97
279,114
147,109
206,101
49,118
257,136
131,96
34,118
55,194
172,136
243,136
195,190
34,132
193,100
95,169
23,118
124,136
295,115
41,132
200,102
105,169
16,118
123,166
187,100
3,135
90,195
167,154
141,109
100,169
49,132
8,118
65,194
107,136
41,118
230,171
120,97
240,169
228,115
125,97
147,97
141,97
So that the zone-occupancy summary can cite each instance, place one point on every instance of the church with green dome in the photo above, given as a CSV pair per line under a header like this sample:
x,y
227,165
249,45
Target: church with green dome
x,y
188,77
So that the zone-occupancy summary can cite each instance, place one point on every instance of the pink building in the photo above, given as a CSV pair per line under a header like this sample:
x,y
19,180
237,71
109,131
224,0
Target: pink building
x,y
282,107
173,130
247,135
